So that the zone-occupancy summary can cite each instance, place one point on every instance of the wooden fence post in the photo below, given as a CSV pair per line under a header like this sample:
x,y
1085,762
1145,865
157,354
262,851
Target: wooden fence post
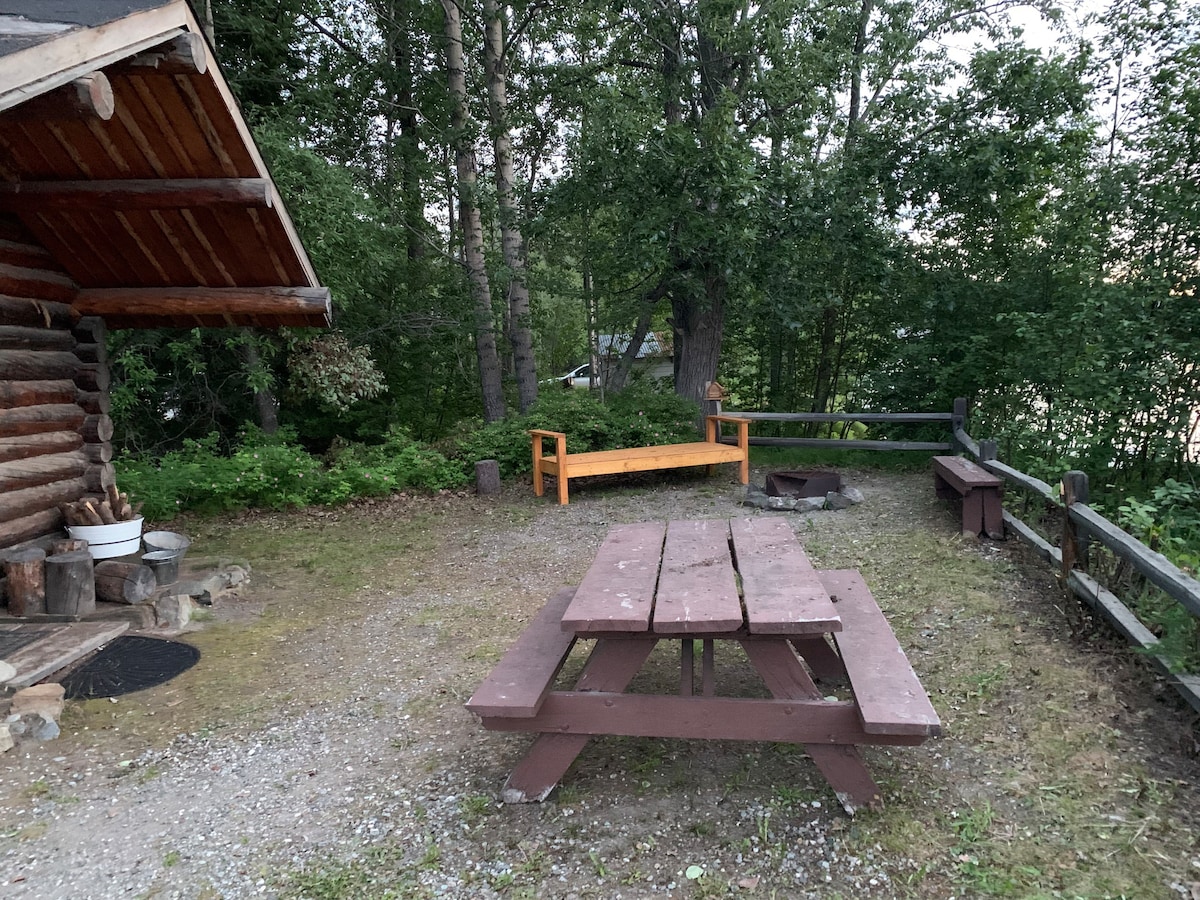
x,y
1074,540
958,421
988,450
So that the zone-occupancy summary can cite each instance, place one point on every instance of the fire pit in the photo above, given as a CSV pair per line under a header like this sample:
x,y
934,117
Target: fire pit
x,y
813,483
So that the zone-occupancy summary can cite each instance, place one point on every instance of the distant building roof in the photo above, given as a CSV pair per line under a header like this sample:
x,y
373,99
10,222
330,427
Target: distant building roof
x,y
652,345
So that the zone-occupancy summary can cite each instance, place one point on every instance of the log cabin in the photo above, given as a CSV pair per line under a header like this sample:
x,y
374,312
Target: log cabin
x,y
132,195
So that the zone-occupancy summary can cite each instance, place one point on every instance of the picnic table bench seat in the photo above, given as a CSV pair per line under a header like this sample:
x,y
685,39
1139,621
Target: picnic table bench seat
x,y
980,490
564,466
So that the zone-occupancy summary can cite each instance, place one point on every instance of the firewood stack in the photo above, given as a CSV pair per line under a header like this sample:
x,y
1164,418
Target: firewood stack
x,y
114,508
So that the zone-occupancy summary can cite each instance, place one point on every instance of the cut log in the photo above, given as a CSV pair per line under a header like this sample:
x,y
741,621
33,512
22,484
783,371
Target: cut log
x,y
70,584
96,429
28,337
66,545
183,55
90,330
50,417
20,253
36,284
27,473
487,477
25,570
37,393
27,445
27,528
87,97
37,313
38,365
16,504
98,453
92,353
94,403
135,194
173,302
100,478
92,376
124,582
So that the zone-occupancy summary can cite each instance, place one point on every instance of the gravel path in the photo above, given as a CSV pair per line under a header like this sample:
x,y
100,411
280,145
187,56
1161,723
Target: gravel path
x,y
365,777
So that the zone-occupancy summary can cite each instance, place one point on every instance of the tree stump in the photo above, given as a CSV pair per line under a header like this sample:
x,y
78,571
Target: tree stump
x,y
70,587
124,582
26,581
487,477
67,545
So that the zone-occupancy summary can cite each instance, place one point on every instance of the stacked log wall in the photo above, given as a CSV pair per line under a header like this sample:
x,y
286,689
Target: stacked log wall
x,y
55,431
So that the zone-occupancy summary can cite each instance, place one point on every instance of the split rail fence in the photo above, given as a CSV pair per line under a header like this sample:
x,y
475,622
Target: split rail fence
x,y
1082,525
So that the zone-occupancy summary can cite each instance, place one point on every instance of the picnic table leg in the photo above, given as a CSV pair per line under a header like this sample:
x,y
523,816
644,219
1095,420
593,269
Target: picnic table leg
x,y
826,665
841,764
610,667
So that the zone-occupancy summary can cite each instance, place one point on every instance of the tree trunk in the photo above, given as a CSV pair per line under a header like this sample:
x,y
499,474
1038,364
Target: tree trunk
x,y
699,324
70,586
517,288
472,225
265,403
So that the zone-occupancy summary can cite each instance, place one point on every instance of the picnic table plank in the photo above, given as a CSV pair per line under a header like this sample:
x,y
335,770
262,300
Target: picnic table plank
x,y
617,593
697,591
890,697
782,591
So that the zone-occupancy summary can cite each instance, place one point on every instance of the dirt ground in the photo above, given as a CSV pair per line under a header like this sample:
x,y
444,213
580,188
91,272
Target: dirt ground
x,y
320,748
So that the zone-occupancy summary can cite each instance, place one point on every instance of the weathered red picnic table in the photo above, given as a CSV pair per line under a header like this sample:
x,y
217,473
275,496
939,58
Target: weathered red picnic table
x,y
745,581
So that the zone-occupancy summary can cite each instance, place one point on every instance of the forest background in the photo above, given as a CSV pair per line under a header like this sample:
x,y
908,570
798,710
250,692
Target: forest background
x,y
851,204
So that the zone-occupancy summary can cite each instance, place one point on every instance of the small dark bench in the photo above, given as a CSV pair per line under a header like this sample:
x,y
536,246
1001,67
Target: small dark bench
x,y
523,678
980,490
890,697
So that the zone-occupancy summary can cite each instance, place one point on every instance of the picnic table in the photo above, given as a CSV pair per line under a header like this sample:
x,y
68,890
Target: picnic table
x,y
744,582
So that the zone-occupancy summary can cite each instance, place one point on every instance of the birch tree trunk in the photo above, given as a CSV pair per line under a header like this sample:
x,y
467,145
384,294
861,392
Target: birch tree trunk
x,y
469,218
511,241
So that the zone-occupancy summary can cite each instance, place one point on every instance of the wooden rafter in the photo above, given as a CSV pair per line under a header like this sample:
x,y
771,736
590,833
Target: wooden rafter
x,y
136,193
87,97
185,55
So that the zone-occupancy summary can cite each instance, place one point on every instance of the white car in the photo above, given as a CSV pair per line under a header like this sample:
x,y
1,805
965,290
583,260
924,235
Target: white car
x,y
580,377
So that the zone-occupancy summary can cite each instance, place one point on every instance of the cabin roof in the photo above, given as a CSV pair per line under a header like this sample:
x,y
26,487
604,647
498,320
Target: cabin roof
x,y
126,163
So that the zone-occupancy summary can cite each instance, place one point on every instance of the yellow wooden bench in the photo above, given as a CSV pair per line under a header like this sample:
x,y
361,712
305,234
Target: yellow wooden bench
x,y
564,466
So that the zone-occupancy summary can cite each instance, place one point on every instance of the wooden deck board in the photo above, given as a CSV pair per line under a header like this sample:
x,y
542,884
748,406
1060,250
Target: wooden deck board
x,y
889,694
783,594
69,643
697,593
617,593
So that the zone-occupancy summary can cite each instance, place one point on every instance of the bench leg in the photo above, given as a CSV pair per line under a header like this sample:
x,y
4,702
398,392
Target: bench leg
x,y
826,665
972,513
993,514
942,489
610,667
841,764
561,481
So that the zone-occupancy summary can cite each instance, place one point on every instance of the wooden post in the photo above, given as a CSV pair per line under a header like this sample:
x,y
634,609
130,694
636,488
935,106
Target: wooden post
x,y
1074,540
70,587
988,450
487,477
123,582
26,581
67,545
958,421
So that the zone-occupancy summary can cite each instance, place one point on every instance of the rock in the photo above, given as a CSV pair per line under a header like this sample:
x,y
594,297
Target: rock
x,y
838,500
7,672
174,610
853,494
810,504
197,590
236,575
6,738
788,503
42,699
32,727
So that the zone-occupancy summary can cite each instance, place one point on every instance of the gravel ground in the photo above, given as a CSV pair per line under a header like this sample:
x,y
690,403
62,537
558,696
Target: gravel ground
x,y
365,777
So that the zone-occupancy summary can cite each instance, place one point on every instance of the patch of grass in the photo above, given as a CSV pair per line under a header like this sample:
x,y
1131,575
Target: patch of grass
x,y
475,807
171,858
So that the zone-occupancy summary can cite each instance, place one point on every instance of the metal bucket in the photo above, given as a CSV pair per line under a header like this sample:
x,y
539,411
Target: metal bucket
x,y
170,541
165,565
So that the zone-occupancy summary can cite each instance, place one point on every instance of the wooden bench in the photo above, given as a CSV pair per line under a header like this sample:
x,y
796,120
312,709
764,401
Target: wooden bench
x,y
982,511
890,697
564,466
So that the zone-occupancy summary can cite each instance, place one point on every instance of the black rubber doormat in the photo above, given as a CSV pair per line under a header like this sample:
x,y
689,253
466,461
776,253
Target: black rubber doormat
x,y
129,663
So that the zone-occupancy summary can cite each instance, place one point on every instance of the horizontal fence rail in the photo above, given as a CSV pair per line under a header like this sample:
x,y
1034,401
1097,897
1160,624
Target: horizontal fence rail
x,y
1083,523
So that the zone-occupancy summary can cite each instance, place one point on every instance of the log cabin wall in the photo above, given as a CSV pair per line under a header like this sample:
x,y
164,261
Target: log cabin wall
x,y
55,432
